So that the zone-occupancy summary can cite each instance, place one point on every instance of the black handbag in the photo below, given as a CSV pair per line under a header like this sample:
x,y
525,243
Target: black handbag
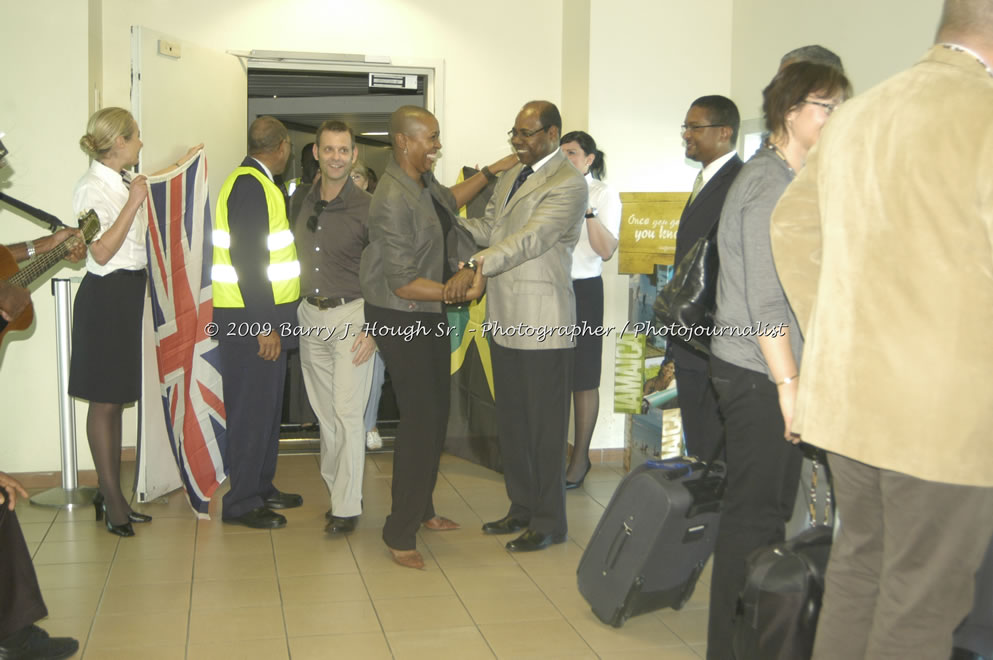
x,y
688,299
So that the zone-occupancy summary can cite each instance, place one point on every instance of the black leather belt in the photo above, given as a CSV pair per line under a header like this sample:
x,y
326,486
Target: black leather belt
x,y
321,302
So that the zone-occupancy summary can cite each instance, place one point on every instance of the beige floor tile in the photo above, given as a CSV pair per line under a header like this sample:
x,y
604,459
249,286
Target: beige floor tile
x,y
538,639
151,571
689,625
331,618
331,588
237,624
217,566
155,548
367,646
73,601
407,583
699,649
555,559
146,598
568,600
473,553
664,653
257,649
35,532
219,594
436,612
61,576
256,542
504,608
29,513
462,643
163,652
470,582
99,549
136,630
335,561
640,633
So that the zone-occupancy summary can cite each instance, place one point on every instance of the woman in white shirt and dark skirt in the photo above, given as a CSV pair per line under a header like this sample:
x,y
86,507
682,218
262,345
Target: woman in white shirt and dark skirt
x,y
105,366
597,243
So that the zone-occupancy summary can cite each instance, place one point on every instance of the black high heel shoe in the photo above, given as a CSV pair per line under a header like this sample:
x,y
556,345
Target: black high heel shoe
x,y
569,485
133,516
121,530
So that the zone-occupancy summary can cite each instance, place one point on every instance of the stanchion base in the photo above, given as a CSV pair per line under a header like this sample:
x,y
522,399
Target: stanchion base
x,y
65,498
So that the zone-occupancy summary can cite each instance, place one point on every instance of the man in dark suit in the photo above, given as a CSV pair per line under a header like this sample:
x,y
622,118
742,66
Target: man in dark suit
x,y
256,283
710,131
532,223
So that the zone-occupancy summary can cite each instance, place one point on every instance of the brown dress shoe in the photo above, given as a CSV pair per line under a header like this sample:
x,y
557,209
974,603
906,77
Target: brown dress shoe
x,y
441,524
407,558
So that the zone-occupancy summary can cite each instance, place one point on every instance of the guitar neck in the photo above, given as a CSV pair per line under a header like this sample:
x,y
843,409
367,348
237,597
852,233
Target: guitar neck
x,y
39,265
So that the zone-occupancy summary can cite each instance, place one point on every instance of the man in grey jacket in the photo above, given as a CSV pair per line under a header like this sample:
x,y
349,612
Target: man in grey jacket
x,y
531,225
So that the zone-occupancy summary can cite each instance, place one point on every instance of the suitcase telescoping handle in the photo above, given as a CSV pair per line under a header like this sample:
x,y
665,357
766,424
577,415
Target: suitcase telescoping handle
x,y
610,559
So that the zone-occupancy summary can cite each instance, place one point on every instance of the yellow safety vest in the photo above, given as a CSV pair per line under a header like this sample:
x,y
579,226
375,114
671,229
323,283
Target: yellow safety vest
x,y
283,270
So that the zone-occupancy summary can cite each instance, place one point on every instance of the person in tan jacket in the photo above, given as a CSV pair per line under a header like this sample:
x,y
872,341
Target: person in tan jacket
x,y
883,246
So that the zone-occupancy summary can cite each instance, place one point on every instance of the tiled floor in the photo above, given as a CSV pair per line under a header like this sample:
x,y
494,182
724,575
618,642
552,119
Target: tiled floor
x,y
183,588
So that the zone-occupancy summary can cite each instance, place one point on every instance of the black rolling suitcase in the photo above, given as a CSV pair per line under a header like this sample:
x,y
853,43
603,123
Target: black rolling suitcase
x,y
653,539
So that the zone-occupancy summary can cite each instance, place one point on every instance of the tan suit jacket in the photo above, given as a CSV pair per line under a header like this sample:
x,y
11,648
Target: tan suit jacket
x,y
528,255
884,246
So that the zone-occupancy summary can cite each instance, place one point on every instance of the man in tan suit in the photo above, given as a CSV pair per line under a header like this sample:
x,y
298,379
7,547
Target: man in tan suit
x,y
883,245
532,223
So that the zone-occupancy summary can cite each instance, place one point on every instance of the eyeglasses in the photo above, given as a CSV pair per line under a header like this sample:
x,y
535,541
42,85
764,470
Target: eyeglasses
x,y
828,107
319,207
524,133
691,127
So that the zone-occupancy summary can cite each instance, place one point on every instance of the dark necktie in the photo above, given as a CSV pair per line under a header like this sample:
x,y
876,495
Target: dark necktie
x,y
526,171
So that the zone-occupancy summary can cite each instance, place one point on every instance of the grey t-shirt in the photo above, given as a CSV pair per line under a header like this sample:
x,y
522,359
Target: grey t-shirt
x,y
750,298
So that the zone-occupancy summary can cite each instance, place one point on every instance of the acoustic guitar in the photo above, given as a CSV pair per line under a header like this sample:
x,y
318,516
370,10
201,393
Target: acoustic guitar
x,y
88,223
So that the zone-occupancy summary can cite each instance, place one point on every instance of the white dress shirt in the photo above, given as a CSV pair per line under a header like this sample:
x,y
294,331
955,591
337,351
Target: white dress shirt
x,y
607,203
103,190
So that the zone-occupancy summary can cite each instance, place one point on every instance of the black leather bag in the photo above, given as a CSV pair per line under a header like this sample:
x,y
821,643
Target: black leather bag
x,y
688,300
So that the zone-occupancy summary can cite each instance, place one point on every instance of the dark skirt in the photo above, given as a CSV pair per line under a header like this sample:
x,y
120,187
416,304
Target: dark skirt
x,y
589,346
105,364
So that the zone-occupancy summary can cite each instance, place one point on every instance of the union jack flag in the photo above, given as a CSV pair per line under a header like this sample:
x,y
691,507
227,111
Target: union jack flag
x,y
179,259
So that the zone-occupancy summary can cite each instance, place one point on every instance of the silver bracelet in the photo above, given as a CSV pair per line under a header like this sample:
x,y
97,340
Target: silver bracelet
x,y
29,245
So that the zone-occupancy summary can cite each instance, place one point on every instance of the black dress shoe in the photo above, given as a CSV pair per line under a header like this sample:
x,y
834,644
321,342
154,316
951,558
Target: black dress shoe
x,y
964,654
340,525
260,518
505,525
531,540
33,643
280,500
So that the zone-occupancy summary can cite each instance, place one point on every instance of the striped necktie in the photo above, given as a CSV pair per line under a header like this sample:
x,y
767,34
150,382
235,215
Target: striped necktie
x,y
526,171
697,185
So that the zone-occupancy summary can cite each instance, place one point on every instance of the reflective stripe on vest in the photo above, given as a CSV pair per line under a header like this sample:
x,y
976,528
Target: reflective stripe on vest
x,y
283,269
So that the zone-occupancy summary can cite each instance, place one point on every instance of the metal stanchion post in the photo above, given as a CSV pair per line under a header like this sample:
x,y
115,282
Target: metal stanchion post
x,y
70,495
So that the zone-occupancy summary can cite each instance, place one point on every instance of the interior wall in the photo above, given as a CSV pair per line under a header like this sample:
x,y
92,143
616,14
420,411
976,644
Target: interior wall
x,y
645,67
486,79
874,39
43,41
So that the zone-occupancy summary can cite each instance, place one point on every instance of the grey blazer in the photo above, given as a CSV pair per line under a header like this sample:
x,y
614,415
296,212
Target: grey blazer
x,y
528,254
405,239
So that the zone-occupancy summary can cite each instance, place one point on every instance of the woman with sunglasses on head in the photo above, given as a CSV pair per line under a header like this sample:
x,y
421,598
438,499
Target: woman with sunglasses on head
x,y
753,374
105,366
597,242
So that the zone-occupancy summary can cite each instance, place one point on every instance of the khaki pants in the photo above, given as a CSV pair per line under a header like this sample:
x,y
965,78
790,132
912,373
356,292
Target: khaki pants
x,y
903,564
338,391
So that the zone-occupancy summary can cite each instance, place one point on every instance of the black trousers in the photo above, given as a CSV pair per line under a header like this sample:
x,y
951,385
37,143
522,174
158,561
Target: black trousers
x,y
418,358
702,425
253,401
533,391
976,632
21,604
763,473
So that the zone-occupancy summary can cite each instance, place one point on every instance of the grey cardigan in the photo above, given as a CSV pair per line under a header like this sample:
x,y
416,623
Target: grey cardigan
x,y
749,295
405,239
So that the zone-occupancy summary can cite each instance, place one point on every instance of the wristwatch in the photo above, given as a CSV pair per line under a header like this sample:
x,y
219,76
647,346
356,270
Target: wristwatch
x,y
591,214
471,264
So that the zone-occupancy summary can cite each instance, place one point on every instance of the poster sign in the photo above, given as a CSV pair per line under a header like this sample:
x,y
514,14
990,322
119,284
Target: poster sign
x,y
629,373
648,230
